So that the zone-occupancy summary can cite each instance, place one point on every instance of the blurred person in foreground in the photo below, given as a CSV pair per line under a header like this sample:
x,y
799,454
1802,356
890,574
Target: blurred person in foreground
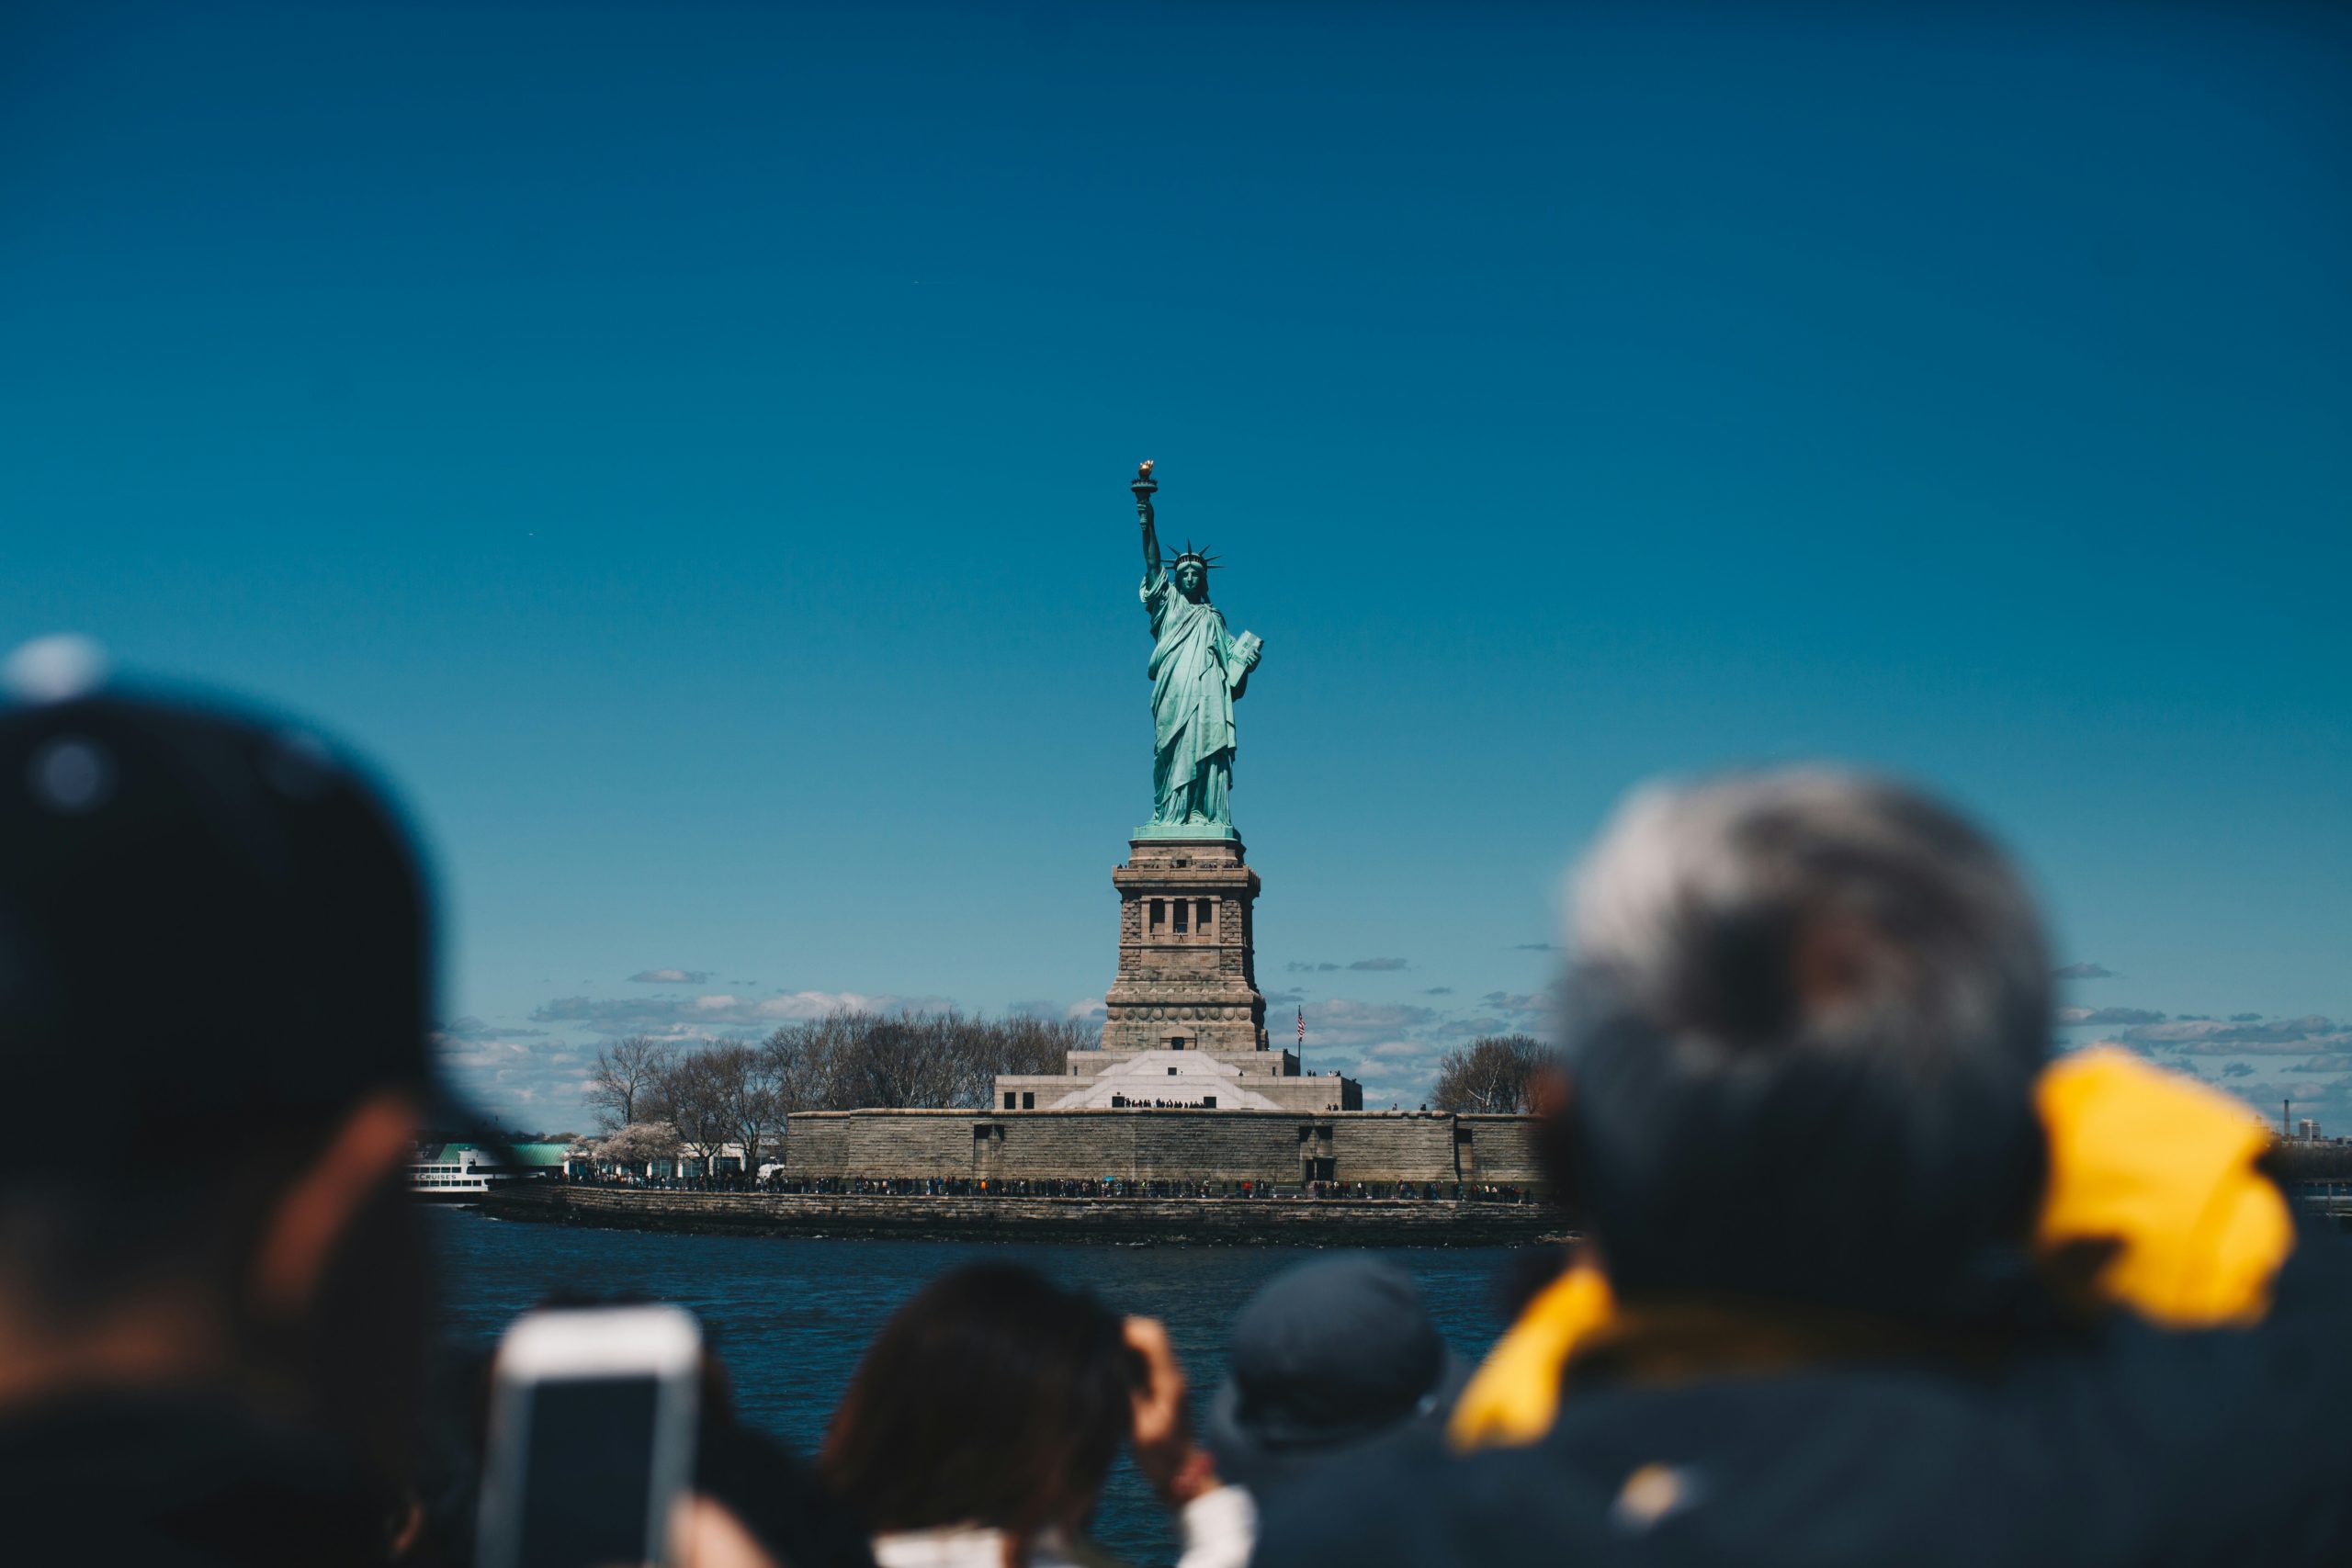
x,y
979,1427
1330,1361
216,963
1868,1277
214,993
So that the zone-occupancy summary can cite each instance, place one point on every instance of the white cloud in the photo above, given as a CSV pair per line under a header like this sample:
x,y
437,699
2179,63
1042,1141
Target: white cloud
x,y
471,1028
1343,1022
2269,1037
536,1082
715,1012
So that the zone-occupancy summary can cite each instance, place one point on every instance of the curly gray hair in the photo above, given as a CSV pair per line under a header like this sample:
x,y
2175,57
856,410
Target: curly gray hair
x,y
1805,1014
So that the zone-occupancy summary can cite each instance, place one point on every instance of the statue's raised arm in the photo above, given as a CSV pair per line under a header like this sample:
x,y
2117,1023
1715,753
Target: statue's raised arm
x,y
1198,670
1143,487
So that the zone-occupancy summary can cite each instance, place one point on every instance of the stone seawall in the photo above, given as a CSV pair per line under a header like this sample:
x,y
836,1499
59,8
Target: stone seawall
x,y
2296,1163
1117,1221
1144,1143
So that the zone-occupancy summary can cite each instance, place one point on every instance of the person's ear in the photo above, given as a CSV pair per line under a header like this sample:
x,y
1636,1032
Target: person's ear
x,y
1548,1090
299,1237
1553,1095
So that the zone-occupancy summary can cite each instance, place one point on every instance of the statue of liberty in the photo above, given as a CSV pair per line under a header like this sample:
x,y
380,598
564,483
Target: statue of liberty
x,y
1198,671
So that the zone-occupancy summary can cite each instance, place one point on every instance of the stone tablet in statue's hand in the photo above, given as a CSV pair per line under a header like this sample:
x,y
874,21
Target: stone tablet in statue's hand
x,y
1248,648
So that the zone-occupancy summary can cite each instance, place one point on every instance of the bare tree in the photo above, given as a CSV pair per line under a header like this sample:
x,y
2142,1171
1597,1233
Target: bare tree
x,y
795,1062
743,1078
1030,1045
934,1060
899,1060
622,1074
1497,1073
730,1092
692,1094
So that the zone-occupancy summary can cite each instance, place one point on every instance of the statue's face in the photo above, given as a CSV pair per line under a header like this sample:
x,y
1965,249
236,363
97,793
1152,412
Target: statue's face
x,y
1190,579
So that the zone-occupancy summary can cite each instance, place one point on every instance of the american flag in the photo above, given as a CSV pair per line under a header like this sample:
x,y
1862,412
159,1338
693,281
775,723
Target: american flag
x,y
1301,1025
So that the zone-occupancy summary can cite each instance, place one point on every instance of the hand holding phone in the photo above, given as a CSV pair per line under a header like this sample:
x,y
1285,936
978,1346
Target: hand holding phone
x,y
591,1437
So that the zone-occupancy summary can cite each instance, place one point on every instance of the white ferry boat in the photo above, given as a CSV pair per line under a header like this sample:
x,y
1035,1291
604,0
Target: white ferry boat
x,y
466,1173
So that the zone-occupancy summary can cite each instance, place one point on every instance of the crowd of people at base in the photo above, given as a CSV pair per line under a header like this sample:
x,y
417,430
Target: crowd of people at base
x,y
1126,1187
1867,1276
690,1181
1102,1187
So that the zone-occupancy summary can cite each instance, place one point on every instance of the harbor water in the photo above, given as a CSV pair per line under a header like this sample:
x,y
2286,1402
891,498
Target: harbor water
x,y
791,1317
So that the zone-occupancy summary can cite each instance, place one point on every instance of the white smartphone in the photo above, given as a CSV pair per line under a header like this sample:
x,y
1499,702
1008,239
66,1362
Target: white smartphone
x,y
591,1437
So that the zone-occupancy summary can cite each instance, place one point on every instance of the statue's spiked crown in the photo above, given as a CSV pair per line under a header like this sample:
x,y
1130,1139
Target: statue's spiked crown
x,y
1143,486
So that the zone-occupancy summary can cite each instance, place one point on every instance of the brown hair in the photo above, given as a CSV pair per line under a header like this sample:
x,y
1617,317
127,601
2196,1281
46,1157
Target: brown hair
x,y
993,1397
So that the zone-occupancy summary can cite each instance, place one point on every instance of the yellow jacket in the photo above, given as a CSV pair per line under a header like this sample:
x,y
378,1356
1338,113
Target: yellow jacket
x,y
2156,1164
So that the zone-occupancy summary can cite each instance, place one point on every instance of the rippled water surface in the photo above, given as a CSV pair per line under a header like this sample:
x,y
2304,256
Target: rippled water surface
x,y
792,1317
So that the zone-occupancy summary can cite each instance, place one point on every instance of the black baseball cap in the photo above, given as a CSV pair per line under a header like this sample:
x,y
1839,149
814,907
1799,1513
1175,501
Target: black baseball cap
x,y
213,924
1329,1357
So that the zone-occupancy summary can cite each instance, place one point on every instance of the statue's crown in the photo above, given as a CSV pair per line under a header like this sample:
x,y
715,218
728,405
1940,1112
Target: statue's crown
x,y
1207,562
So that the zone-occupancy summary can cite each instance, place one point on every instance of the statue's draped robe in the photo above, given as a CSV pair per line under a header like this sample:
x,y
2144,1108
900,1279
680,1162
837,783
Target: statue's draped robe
x,y
1194,676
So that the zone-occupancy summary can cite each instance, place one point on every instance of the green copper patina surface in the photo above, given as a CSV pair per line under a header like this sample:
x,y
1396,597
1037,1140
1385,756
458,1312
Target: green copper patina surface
x,y
1198,671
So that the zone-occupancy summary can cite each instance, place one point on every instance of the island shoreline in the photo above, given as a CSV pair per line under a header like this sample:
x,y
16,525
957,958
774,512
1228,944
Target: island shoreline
x,y
1322,1221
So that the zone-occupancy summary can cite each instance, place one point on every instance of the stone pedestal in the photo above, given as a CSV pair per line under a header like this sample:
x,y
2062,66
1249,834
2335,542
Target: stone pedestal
x,y
1188,974
1185,1023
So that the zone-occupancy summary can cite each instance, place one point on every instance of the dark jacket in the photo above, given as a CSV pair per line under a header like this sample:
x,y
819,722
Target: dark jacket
x,y
2127,1446
189,1481
178,1481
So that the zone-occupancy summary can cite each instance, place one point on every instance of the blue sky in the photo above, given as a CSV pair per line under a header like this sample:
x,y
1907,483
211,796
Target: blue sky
x,y
686,446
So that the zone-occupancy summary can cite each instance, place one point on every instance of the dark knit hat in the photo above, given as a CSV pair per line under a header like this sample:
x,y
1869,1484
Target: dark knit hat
x,y
207,920
1327,1357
